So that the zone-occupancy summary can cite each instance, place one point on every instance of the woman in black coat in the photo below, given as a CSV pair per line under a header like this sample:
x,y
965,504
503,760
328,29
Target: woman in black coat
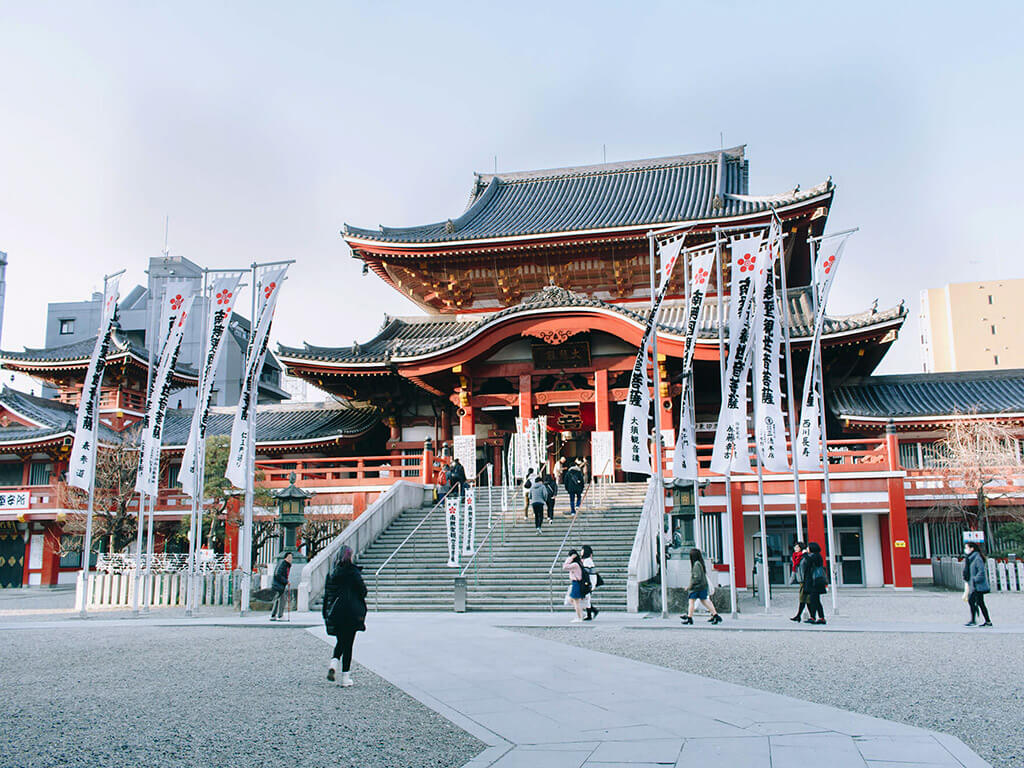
x,y
344,612
813,582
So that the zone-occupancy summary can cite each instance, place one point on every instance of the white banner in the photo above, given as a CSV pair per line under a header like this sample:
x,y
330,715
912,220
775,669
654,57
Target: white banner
x,y
451,526
464,449
636,451
808,444
684,458
769,421
730,454
268,289
80,466
148,479
669,254
469,521
223,295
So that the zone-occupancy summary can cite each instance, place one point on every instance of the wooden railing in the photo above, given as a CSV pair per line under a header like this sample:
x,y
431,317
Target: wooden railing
x,y
355,470
843,456
929,487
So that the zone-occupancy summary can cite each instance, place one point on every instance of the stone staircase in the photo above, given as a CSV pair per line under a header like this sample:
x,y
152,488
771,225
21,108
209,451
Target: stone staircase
x,y
509,576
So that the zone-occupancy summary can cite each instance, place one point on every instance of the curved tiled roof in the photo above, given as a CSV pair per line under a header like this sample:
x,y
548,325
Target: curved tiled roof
x,y
275,424
930,395
708,185
279,423
411,337
81,352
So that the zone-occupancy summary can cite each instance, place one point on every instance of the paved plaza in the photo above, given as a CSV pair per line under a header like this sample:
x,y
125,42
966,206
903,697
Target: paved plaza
x,y
502,689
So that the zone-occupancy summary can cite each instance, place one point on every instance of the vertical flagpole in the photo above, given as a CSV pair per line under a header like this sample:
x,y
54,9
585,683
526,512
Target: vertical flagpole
x,y
250,464
190,605
789,382
146,577
141,517
721,370
815,360
660,473
764,533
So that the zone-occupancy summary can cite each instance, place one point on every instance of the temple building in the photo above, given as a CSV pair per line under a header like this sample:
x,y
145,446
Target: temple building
x,y
535,298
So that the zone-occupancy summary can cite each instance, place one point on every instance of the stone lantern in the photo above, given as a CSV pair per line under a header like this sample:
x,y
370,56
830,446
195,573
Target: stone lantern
x,y
291,506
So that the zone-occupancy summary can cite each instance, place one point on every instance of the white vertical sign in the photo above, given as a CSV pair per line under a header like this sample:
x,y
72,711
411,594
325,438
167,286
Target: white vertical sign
x,y
730,454
602,454
469,521
222,299
268,289
464,448
769,421
80,462
451,525
808,444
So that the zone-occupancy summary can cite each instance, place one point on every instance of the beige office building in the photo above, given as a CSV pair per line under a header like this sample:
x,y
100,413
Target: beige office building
x,y
973,326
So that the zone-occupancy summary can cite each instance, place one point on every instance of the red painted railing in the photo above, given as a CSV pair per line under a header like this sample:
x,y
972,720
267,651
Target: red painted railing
x,y
349,471
843,455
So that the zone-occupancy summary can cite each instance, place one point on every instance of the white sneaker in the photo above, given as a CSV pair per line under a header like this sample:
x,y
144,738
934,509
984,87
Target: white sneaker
x,y
576,621
332,669
346,679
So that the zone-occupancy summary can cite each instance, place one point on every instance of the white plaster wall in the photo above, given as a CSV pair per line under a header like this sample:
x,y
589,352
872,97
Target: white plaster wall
x,y
417,434
872,542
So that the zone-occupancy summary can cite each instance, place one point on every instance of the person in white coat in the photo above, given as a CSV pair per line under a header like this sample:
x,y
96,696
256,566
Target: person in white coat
x,y
588,563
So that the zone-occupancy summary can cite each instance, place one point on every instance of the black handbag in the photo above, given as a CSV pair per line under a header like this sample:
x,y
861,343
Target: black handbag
x,y
599,581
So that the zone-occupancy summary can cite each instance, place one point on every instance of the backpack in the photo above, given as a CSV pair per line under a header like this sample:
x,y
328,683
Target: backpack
x,y
585,585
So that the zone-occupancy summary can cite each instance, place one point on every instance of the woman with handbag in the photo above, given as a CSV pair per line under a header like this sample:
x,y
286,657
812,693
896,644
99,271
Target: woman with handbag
x,y
698,590
577,589
595,582
344,612
976,583
814,583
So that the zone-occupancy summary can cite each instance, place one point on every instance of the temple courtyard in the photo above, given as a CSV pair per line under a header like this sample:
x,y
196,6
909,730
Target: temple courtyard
x,y
892,680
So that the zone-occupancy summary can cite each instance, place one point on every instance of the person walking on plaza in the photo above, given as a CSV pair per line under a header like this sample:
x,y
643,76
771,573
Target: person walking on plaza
x,y
698,589
538,498
813,582
795,571
559,470
573,478
344,612
976,583
552,485
579,583
595,582
457,478
280,586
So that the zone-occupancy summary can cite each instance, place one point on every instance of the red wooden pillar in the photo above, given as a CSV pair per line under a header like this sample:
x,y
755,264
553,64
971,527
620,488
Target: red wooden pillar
x,y
496,458
427,464
233,514
358,504
815,517
525,397
446,426
739,556
602,409
899,530
467,424
886,542
51,554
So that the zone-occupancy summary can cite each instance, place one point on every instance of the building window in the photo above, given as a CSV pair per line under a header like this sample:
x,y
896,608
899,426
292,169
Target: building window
x,y
990,298
993,329
39,473
67,327
996,357
917,543
11,473
172,475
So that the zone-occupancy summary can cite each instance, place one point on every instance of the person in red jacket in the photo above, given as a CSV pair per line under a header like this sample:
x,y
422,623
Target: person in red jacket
x,y
799,551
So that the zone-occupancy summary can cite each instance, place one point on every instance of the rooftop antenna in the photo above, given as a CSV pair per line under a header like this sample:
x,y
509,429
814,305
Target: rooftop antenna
x,y
495,164
721,140
604,153
167,226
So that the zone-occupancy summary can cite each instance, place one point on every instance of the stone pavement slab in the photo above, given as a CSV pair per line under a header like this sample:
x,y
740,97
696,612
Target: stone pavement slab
x,y
539,703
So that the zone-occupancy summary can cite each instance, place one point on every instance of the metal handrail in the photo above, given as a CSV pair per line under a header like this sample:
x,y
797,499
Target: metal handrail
x,y
490,530
577,516
376,575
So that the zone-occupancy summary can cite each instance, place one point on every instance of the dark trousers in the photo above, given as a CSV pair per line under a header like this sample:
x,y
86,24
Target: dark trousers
x,y
538,514
551,508
976,600
343,648
814,606
574,501
278,609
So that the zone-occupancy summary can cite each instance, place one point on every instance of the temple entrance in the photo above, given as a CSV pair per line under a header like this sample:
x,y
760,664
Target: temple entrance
x,y
850,557
12,558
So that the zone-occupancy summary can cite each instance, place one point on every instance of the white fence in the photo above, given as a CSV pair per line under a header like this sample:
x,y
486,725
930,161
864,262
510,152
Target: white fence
x,y
1003,575
208,562
112,590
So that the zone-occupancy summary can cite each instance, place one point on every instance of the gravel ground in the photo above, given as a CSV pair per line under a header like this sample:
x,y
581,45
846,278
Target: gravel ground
x,y
970,686
205,696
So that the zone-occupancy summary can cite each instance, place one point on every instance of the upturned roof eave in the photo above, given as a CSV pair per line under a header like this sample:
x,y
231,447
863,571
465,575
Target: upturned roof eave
x,y
387,366
83,362
357,242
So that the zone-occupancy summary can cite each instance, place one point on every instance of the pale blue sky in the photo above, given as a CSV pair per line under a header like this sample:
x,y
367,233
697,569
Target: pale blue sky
x,y
260,128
